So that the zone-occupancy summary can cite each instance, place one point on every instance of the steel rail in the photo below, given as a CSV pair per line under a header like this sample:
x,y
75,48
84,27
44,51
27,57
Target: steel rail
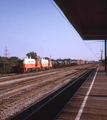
x,y
13,75
57,79
52,98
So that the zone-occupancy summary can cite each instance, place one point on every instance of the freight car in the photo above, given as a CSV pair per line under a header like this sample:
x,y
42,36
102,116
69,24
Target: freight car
x,y
54,63
63,63
60,63
66,63
33,63
72,62
57,63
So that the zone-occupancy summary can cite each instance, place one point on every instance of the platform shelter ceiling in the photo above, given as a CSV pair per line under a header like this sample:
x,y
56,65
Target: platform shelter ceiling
x,y
89,17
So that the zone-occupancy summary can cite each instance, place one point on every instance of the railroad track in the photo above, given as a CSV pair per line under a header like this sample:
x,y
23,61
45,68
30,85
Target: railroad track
x,y
18,95
22,75
50,107
18,75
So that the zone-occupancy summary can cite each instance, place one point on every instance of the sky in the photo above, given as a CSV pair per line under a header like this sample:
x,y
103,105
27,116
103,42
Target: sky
x,y
37,25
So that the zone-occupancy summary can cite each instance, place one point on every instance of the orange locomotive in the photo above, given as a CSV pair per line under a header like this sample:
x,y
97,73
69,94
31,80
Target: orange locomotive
x,y
33,63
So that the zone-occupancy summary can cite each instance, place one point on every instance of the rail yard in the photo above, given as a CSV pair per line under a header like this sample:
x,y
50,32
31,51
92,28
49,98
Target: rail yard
x,y
73,86
21,91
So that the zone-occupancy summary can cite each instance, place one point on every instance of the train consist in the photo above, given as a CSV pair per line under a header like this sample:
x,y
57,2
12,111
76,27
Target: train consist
x,y
35,63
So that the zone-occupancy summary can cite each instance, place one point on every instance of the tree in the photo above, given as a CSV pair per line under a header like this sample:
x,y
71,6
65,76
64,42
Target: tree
x,y
2,61
6,67
11,62
31,54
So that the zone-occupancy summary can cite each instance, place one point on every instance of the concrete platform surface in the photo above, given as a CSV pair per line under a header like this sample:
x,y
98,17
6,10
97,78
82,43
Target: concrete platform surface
x,y
90,102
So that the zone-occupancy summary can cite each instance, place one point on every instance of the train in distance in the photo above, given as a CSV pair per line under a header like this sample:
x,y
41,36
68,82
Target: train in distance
x,y
35,63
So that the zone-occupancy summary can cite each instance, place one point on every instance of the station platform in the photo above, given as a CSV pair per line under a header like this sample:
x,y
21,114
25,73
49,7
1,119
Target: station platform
x,y
90,102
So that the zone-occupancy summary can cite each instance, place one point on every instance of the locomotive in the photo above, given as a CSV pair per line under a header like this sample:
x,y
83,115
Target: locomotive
x,y
33,63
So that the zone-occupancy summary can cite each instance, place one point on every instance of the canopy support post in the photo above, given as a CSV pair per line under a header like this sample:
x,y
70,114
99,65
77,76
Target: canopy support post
x,y
105,56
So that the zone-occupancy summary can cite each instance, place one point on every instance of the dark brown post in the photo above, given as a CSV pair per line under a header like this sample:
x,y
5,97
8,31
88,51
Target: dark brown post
x,y
105,55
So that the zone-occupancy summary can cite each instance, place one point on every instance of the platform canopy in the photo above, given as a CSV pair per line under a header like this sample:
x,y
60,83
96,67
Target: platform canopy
x,y
89,17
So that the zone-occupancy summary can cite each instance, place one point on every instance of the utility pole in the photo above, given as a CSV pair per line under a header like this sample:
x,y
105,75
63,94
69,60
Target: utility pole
x,y
50,56
6,52
101,55
6,61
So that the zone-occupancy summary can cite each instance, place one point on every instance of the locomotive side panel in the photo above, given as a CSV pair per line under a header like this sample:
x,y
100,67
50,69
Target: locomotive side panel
x,y
49,62
28,64
44,64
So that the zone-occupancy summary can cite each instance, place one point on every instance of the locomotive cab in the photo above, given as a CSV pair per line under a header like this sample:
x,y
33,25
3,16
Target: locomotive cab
x,y
49,62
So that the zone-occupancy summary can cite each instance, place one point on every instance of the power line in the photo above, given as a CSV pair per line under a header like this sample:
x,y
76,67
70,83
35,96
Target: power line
x,y
92,42
90,49
57,8
71,25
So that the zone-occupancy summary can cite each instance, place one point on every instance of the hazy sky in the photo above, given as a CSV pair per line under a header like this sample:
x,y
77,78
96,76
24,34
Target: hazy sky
x,y
36,25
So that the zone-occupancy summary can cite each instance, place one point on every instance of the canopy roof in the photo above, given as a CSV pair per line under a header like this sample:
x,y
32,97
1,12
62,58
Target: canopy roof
x,y
89,17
